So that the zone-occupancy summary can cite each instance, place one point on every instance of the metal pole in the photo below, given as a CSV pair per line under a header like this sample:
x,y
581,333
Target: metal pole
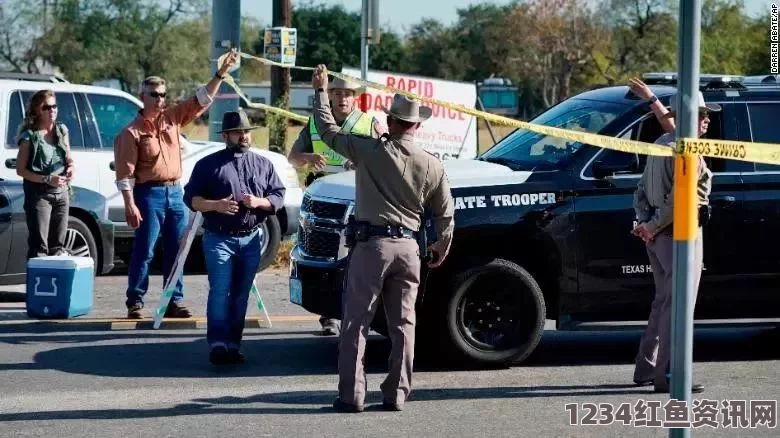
x,y
225,33
364,40
685,209
365,17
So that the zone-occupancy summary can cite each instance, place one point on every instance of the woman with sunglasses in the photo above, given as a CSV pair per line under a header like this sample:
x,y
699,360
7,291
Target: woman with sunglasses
x,y
44,162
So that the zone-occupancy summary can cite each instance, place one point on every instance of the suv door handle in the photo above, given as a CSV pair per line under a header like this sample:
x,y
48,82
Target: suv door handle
x,y
10,163
725,198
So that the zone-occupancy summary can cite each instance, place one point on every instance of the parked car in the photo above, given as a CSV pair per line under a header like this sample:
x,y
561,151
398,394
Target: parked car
x,y
542,228
90,233
94,116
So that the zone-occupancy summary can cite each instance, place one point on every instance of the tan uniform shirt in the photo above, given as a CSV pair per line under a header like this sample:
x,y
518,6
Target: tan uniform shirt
x,y
149,150
396,179
653,198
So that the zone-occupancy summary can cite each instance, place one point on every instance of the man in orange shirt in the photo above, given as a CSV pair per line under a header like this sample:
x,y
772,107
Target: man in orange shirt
x,y
147,154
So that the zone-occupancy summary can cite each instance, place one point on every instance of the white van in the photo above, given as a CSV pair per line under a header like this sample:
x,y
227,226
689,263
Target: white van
x,y
94,116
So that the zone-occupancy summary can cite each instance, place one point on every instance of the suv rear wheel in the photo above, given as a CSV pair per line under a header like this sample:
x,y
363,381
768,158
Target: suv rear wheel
x,y
495,314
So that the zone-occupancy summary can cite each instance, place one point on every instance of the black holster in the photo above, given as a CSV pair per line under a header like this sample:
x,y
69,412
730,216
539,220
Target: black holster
x,y
355,232
705,214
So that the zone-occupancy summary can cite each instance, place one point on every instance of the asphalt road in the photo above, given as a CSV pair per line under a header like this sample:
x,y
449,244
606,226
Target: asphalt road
x,y
159,383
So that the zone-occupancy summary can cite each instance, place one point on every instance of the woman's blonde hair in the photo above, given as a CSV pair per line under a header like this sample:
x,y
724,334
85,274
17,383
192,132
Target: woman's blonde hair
x,y
33,113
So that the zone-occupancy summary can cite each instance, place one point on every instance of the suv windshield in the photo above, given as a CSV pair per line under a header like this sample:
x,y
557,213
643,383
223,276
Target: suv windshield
x,y
526,150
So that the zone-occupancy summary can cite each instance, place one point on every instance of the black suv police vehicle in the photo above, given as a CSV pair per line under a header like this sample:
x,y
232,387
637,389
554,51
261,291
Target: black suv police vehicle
x,y
543,228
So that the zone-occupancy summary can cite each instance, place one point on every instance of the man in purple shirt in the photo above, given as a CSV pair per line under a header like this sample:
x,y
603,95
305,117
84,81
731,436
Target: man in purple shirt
x,y
235,190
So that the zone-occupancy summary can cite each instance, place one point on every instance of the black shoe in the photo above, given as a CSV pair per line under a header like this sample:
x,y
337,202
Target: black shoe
x,y
346,407
220,356
647,382
177,311
135,312
330,327
236,356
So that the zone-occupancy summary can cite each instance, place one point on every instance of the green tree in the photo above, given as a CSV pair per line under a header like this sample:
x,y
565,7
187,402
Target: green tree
x,y
124,39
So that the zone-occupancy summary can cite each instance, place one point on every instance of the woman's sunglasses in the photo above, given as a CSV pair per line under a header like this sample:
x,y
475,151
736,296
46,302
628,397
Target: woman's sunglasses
x,y
156,94
49,107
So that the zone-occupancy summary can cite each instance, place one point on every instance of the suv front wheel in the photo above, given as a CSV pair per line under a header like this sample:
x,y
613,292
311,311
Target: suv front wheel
x,y
494,315
80,242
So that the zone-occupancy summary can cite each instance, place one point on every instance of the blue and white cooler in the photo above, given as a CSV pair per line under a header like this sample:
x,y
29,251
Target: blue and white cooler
x,y
59,286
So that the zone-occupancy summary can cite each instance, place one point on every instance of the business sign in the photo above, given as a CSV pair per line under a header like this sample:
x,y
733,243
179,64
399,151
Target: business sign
x,y
280,44
447,134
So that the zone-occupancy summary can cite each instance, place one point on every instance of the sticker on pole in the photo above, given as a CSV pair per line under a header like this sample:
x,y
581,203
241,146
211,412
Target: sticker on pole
x,y
280,45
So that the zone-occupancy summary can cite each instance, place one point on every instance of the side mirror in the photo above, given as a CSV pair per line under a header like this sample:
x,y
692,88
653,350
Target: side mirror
x,y
602,170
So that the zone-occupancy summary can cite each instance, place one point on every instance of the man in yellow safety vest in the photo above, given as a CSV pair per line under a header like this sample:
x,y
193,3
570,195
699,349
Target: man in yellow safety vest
x,y
310,150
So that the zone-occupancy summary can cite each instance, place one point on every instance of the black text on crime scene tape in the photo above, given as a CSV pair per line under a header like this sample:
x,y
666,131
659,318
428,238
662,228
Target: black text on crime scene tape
x,y
715,149
514,200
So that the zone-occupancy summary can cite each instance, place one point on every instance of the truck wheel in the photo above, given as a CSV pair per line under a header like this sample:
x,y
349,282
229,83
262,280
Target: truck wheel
x,y
271,242
495,315
80,242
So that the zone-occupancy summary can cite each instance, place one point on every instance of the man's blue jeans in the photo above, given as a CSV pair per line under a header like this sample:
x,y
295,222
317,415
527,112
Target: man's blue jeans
x,y
163,211
232,263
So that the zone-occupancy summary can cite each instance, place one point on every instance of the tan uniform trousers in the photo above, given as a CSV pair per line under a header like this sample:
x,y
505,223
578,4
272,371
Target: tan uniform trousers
x,y
654,353
391,268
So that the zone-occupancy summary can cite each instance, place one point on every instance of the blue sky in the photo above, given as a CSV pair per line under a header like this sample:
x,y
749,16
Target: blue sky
x,y
402,14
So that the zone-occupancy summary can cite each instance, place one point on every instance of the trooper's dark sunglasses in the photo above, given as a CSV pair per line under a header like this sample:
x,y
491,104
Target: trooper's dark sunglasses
x,y
156,94
49,107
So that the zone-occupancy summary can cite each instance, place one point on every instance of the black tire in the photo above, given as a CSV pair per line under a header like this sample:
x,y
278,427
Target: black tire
x,y
271,242
477,331
79,241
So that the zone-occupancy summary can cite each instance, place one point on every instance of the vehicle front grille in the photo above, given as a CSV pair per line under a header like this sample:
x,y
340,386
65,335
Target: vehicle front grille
x,y
323,209
319,243
322,228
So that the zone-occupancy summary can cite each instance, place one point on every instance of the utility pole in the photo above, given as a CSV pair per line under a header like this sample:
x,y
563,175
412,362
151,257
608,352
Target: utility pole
x,y
280,76
685,209
369,34
225,34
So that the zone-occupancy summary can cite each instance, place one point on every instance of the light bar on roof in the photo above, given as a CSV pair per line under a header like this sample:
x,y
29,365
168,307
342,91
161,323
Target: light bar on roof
x,y
703,78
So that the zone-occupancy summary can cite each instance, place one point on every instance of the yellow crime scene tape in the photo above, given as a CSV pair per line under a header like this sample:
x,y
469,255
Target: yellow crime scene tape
x,y
768,153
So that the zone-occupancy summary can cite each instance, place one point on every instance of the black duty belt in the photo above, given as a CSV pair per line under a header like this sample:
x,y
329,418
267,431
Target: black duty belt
x,y
364,230
390,231
234,232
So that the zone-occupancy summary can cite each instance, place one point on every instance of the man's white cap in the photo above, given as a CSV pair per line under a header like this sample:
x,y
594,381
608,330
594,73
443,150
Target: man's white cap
x,y
714,107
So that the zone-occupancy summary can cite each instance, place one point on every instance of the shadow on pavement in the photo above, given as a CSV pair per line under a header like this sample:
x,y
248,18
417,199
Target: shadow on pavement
x,y
12,297
292,356
232,405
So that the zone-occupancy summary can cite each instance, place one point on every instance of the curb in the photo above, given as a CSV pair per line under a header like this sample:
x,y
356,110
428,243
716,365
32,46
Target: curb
x,y
103,324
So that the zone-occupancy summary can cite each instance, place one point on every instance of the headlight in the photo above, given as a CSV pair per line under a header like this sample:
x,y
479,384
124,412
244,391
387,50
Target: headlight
x,y
291,178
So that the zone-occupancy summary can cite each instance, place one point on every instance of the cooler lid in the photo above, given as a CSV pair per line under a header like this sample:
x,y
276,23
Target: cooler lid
x,y
60,262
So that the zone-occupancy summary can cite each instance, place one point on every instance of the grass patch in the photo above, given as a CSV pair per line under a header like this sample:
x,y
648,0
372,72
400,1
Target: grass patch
x,y
282,260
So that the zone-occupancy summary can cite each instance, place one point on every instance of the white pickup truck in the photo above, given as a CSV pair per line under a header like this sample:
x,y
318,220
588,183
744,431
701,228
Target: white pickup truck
x,y
94,116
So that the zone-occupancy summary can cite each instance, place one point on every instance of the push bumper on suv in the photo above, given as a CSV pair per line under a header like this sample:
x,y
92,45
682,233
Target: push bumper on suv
x,y
319,258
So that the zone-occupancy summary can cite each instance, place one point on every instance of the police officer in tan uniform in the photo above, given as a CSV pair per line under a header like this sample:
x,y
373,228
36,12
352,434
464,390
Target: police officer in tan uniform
x,y
653,207
310,150
395,181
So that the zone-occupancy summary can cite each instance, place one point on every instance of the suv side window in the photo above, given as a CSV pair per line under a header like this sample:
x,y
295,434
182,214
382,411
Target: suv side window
x,y
67,114
763,126
649,130
15,114
112,113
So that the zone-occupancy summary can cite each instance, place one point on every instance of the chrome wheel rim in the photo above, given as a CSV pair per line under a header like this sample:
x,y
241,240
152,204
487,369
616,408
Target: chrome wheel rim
x,y
76,243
